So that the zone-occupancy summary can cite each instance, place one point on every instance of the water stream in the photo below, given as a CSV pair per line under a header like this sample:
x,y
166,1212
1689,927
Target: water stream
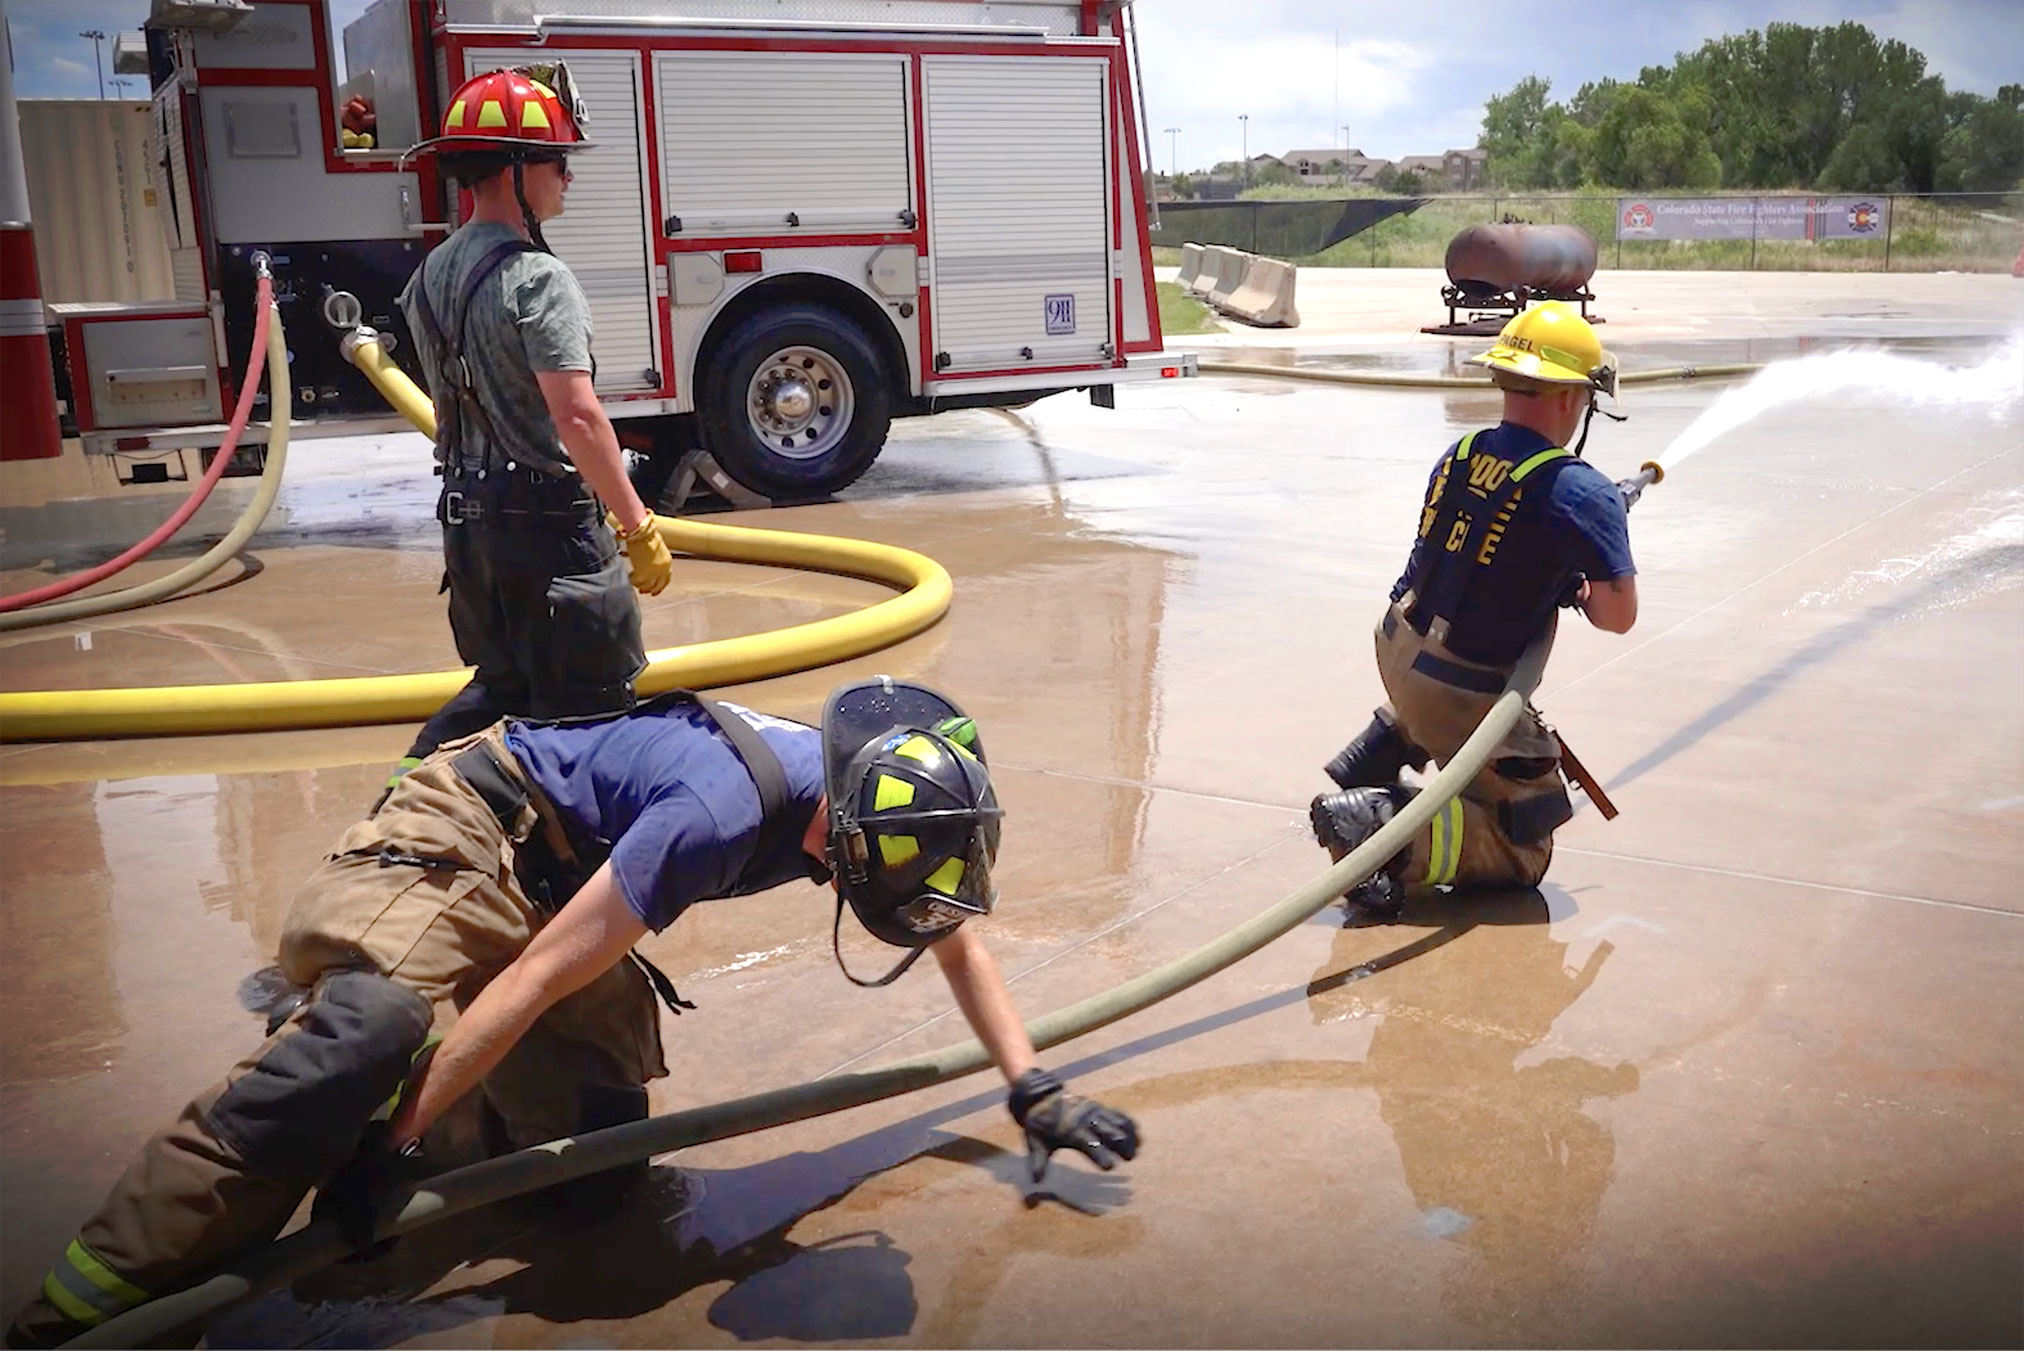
x,y
1993,385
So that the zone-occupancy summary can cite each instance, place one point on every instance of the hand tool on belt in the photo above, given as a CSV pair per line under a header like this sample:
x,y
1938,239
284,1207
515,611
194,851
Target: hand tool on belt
x,y
1571,765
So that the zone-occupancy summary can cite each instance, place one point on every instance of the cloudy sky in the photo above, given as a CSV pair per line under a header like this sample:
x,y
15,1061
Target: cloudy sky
x,y
1404,76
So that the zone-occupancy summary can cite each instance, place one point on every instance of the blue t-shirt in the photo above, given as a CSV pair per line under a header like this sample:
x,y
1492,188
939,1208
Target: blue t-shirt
x,y
671,797
1578,526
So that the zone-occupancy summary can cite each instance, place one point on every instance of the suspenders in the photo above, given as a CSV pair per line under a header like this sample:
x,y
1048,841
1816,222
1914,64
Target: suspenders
x,y
1467,511
455,367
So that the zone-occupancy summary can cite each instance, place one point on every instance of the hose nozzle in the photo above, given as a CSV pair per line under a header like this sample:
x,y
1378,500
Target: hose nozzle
x,y
1633,487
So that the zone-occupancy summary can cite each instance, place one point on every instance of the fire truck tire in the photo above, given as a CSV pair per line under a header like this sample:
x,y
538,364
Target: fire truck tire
x,y
796,403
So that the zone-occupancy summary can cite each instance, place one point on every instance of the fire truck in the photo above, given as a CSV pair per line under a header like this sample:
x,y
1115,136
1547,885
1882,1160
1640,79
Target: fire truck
x,y
803,218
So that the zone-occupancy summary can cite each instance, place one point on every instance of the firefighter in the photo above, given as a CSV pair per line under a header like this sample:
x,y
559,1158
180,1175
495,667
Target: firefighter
x,y
1512,523
534,485
441,908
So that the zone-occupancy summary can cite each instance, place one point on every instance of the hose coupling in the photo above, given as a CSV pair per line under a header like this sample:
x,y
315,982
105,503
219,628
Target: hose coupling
x,y
263,266
355,338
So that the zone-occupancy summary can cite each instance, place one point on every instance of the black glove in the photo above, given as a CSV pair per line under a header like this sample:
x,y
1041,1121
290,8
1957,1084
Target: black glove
x,y
1570,595
356,1195
1054,1118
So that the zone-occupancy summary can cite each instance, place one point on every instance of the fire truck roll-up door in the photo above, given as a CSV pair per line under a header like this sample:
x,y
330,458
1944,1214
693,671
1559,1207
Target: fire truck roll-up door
x,y
779,143
603,233
169,153
1018,212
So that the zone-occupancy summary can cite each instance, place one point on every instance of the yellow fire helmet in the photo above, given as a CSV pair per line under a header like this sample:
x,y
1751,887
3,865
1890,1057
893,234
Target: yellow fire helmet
x,y
1553,344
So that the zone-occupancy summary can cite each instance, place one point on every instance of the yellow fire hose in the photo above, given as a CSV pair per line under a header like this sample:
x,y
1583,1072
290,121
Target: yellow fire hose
x,y
63,715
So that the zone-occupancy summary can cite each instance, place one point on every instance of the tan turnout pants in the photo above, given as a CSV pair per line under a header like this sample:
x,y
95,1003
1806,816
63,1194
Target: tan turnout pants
x,y
194,1199
1466,843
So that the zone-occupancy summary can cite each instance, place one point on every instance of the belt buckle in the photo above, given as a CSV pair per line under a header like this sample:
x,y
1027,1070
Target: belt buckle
x,y
453,508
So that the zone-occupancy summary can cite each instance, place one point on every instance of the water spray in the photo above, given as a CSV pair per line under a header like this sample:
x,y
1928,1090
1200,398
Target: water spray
x,y
1994,385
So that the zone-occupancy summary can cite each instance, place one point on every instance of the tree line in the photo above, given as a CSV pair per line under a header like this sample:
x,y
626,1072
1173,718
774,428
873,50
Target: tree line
x,y
1829,109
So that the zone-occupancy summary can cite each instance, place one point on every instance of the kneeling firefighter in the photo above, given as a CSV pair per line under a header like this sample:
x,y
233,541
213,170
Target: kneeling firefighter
x,y
505,881
1513,524
534,484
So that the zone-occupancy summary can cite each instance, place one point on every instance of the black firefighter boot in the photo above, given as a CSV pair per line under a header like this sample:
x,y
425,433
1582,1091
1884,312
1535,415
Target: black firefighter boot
x,y
1374,757
1344,820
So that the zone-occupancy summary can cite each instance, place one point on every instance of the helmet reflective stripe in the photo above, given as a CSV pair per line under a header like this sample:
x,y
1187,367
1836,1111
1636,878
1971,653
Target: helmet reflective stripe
x,y
961,732
491,114
456,117
897,849
948,877
533,116
84,1289
916,748
891,792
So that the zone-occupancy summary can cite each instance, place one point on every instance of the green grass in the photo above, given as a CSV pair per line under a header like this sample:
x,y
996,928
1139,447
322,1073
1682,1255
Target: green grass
x,y
1181,313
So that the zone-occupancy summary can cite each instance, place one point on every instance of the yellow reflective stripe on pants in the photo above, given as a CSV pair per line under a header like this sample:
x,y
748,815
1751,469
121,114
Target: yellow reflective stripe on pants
x,y
1445,853
86,1290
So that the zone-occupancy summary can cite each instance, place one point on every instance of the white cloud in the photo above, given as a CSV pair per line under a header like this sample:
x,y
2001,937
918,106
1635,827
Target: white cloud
x,y
68,66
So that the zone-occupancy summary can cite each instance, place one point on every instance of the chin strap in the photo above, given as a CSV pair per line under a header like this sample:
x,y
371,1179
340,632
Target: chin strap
x,y
1593,408
534,226
836,946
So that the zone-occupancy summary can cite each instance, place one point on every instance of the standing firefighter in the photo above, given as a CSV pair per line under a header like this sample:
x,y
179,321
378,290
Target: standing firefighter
x,y
1513,523
484,886
539,600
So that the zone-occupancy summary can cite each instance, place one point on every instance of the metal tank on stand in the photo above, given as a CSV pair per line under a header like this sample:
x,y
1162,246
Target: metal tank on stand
x,y
1495,271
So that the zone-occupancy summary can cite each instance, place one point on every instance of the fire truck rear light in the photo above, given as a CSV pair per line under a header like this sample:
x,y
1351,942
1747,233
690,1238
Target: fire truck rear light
x,y
131,443
743,260
1170,372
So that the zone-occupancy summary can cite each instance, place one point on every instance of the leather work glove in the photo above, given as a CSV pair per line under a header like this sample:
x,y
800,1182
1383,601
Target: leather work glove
x,y
1053,1118
646,553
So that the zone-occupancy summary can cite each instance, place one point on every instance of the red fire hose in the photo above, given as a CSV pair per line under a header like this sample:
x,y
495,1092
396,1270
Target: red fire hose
x,y
248,387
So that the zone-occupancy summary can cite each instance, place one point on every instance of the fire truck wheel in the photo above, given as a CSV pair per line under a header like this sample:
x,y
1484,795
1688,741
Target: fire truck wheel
x,y
796,403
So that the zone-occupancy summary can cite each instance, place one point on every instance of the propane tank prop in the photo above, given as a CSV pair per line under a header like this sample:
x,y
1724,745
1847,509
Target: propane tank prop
x,y
1495,271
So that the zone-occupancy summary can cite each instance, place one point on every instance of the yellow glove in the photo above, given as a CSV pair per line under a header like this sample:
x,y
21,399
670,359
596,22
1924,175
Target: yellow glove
x,y
647,554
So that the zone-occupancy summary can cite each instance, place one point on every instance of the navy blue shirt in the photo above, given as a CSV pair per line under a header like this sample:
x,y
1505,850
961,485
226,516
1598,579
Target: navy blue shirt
x,y
1579,526
673,800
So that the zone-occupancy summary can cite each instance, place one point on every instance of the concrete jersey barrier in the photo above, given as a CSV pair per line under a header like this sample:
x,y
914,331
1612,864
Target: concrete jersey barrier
x,y
1212,268
1231,265
1265,297
1241,285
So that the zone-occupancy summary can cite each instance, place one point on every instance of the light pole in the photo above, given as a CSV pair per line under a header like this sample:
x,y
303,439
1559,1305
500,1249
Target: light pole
x,y
1173,153
1345,157
1244,122
97,36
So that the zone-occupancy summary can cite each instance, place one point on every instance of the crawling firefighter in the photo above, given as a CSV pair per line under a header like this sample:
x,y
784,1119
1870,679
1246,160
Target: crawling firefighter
x,y
501,889
1513,525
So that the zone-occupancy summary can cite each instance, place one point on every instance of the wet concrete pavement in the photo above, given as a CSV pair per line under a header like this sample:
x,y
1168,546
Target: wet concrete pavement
x,y
1745,1072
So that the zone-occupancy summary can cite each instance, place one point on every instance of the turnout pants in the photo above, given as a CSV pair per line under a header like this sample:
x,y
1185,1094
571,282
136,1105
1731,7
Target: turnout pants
x,y
387,949
1500,830
541,603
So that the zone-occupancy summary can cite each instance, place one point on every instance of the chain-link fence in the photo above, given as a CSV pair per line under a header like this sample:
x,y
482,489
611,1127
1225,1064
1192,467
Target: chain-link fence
x,y
1959,232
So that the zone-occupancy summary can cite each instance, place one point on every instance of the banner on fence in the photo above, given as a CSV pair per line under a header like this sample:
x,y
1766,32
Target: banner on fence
x,y
1752,217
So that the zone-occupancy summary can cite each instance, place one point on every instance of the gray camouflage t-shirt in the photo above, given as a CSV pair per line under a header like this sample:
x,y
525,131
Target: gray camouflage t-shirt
x,y
528,315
